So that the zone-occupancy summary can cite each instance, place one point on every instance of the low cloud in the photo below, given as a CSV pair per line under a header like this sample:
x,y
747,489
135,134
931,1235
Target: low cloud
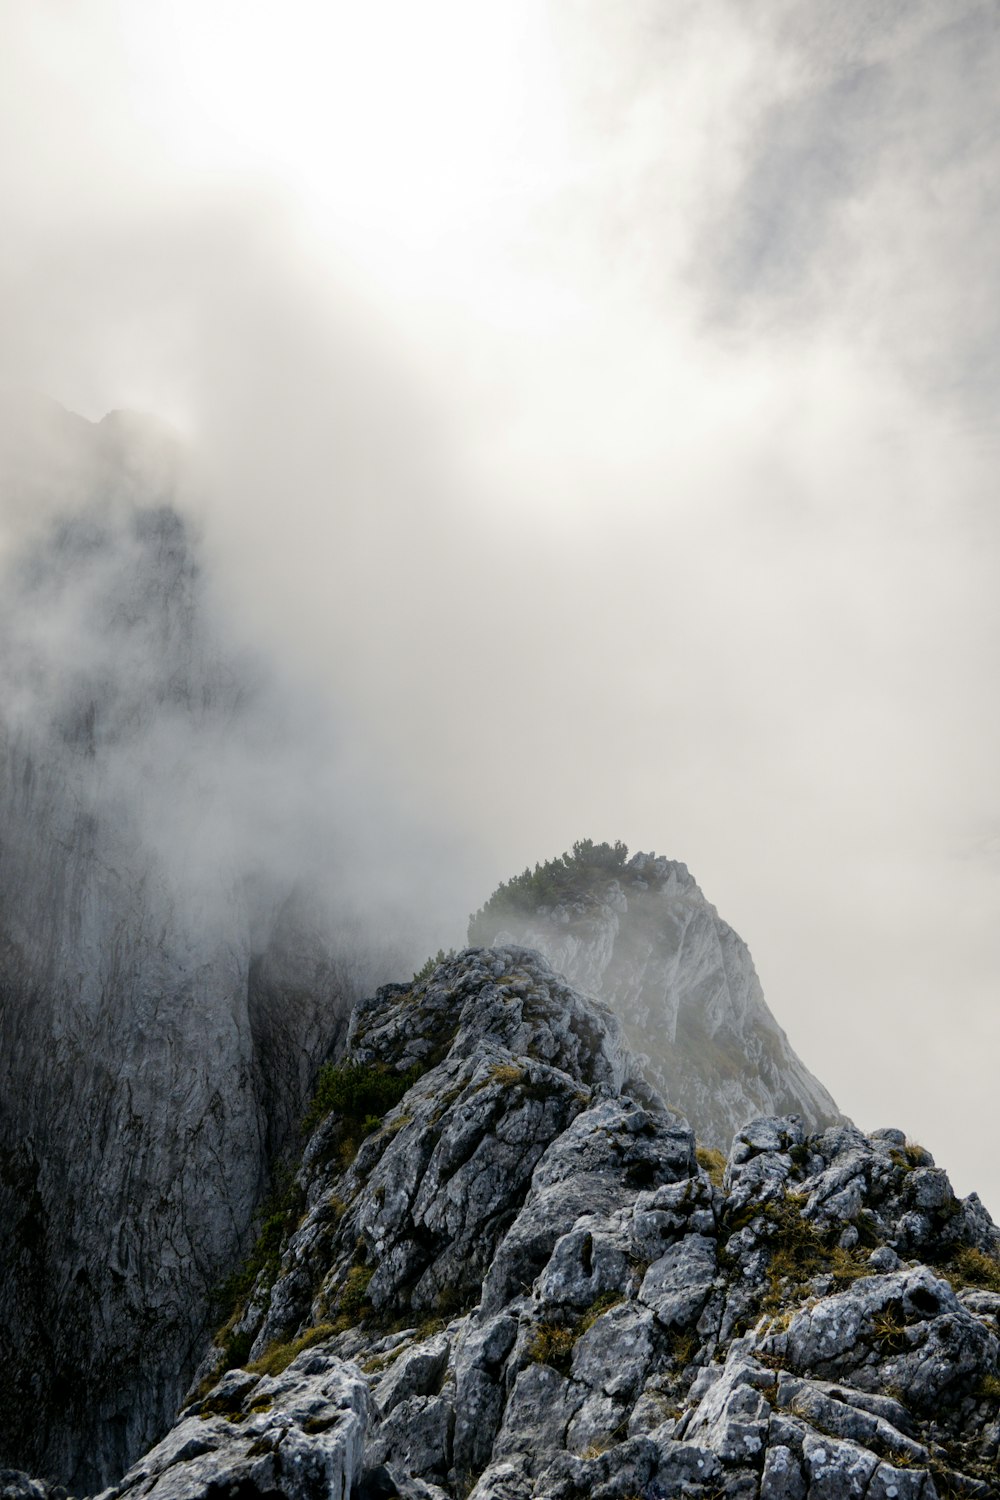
x,y
644,491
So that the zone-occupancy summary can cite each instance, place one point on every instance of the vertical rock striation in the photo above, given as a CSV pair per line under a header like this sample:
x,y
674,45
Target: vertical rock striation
x,y
163,1005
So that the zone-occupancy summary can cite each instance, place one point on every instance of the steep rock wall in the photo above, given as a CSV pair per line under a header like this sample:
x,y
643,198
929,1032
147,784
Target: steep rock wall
x,y
162,1010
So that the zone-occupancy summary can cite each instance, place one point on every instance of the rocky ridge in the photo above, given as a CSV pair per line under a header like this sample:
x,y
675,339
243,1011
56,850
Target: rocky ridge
x,y
504,1270
640,934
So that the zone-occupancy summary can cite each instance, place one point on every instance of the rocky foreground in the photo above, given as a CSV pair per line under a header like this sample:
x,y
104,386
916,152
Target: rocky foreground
x,y
504,1269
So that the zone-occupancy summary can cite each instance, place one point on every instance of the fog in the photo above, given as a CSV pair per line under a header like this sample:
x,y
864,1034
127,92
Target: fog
x,y
200,784
590,411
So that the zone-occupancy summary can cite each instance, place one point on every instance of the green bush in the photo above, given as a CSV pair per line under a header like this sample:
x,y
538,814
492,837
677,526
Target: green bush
x,y
574,874
360,1092
427,969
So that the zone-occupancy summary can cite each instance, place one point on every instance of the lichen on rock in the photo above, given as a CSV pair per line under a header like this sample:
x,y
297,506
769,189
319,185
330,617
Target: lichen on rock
x,y
558,1301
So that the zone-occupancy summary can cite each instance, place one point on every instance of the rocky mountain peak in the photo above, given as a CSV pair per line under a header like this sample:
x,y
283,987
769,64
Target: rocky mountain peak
x,y
639,934
503,1271
494,1259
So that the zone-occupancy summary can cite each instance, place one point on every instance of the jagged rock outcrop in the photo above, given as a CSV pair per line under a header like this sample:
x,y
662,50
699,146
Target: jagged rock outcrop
x,y
163,1006
521,1280
639,934
502,1267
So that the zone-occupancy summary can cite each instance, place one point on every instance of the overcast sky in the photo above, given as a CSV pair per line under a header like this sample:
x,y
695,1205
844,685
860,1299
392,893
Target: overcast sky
x,y
597,402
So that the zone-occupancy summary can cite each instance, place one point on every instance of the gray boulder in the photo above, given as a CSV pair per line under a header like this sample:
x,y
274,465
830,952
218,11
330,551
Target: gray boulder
x,y
617,1324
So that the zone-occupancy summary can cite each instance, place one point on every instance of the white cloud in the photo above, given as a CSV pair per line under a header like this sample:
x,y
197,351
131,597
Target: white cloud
x,y
599,408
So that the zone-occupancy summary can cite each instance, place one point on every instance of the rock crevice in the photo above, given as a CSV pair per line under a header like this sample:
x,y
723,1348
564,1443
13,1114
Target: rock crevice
x,y
520,1282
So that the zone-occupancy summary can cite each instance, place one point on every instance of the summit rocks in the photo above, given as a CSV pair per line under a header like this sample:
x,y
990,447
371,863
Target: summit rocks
x,y
640,934
519,1281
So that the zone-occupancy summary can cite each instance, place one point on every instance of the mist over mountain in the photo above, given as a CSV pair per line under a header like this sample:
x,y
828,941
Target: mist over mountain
x,y
185,922
439,1237
583,420
639,934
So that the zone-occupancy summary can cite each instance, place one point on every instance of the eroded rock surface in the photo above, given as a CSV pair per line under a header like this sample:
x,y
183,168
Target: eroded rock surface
x,y
300,1433
524,1280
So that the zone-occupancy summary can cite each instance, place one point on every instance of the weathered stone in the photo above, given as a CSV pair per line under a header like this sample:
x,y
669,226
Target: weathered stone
x,y
417,1372
415,1437
616,1353
537,1416
383,1482
300,1434
907,1329
781,1478
732,1418
600,1163
687,1466
836,1470
675,1286
759,1354
17,1486
503,1481
596,1424
839,1412
479,1394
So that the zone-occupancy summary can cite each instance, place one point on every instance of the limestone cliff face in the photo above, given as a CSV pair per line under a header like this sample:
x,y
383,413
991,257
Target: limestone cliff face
x,y
642,937
162,1008
507,1274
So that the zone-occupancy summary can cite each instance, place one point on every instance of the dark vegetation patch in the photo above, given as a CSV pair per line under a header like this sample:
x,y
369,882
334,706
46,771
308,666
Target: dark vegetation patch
x,y
798,1250
553,1343
574,876
361,1093
711,1161
427,969
279,1216
888,1329
278,1357
352,1307
973,1268
683,1346
911,1156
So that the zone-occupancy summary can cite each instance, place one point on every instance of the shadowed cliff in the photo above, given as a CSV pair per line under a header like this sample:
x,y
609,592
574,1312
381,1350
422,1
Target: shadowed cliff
x,y
165,996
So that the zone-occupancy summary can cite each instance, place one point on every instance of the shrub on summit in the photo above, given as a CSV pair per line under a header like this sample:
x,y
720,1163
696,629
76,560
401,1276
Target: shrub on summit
x,y
588,866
